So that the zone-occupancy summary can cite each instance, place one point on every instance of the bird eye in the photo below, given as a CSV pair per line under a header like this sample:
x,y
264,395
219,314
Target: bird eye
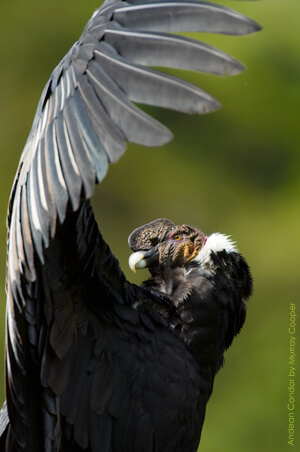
x,y
177,237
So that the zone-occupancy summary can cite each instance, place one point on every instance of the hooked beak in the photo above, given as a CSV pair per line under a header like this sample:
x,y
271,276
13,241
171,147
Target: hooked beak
x,y
141,259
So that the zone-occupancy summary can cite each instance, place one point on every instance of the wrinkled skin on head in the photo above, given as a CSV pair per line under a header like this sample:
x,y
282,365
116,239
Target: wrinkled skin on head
x,y
161,243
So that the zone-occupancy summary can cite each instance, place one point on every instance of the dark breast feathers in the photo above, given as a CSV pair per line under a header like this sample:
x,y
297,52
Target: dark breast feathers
x,y
94,362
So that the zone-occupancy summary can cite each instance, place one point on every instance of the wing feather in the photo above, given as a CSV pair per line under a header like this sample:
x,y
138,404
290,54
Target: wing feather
x,y
162,49
34,216
80,152
153,87
68,164
183,15
137,126
41,206
24,236
109,134
89,138
58,184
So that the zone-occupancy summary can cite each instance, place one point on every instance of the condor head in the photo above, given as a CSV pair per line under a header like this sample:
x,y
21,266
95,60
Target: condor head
x,y
161,244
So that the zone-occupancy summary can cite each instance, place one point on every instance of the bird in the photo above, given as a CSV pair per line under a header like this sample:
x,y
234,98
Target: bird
x,y
93,361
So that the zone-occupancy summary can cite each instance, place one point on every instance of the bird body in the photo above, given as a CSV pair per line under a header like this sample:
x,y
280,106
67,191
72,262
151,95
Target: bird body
x,y
94,362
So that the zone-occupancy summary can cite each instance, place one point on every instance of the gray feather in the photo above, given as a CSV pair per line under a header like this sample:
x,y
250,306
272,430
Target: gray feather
x,y
34,216
137,126
161,49
78,147
58,184
68,164
154,88
180,15
25,237
106,129
91,141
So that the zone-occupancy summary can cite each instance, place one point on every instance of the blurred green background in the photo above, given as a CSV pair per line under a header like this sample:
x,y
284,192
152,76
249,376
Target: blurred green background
x,y
236,171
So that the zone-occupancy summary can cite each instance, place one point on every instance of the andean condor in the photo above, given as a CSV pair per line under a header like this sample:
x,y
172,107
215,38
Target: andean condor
x,y
94,362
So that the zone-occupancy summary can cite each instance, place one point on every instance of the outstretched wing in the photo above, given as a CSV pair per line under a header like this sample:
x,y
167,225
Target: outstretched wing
x,y
83,121
85,115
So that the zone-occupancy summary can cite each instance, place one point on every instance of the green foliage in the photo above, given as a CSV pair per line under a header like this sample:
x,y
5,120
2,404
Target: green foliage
x,y
236,171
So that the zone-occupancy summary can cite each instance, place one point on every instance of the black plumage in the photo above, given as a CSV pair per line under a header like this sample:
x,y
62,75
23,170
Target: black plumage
x,y
94,362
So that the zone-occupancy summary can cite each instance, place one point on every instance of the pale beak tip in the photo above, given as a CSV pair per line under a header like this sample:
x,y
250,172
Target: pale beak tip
x,y
136,261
